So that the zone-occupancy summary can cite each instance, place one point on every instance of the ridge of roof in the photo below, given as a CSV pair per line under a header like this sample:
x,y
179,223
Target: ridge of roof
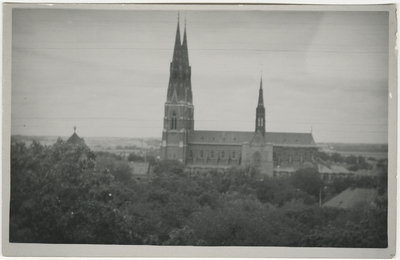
x,y
239,137
75,139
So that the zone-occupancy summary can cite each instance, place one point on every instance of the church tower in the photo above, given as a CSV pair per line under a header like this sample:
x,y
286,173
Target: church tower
x,y
178,109
260,112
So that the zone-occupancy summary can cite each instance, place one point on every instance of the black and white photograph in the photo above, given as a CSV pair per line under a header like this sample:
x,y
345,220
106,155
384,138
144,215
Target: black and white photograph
x,y
202,127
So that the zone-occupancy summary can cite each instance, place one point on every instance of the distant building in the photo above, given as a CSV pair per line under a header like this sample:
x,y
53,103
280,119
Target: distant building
x,y
333,172
141,171
351,197
75,139
272,153
373,173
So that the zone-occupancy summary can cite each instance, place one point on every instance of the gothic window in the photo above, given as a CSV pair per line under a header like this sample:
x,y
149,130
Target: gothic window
x,y
173,121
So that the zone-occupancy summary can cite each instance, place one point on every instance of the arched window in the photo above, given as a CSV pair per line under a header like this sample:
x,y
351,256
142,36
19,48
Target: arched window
x,y
191,154
212,154
233,155
222,154
173,121
201,154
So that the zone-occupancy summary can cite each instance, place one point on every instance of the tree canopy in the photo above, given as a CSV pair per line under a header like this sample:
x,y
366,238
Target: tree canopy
x,y
68,194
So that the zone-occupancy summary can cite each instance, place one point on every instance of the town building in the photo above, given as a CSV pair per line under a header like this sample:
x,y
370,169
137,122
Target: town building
x,y
352,197
271,152
74,139
141,171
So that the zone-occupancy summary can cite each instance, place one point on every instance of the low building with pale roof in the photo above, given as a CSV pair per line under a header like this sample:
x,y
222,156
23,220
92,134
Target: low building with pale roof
x,y
351,197
141,171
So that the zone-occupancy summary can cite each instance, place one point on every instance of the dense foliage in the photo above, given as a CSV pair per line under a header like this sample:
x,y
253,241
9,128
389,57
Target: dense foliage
x,y
68,194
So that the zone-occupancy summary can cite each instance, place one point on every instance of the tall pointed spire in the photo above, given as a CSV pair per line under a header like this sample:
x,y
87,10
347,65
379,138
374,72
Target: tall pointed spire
x,y
185,53
185,64
184,43
260,96
180,71
179,109
177,47
260,112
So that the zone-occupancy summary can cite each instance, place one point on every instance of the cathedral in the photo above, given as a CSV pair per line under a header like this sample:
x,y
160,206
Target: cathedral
x,y
274,154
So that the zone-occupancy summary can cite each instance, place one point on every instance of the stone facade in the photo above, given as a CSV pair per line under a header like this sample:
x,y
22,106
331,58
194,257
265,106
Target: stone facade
x,y
274,154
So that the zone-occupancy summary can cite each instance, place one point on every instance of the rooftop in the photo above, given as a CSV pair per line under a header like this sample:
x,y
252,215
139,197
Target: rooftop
x,y
351,197
238,138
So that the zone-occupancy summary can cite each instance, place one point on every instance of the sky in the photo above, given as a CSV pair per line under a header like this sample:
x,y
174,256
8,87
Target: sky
x,y
106,71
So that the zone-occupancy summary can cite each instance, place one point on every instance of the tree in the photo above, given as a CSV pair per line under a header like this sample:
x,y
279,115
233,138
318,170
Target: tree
x,y
337,158
115,165
169,167
361,227
308,180
340,184
65,194
351,159
383,176
58,196
323,156
132,157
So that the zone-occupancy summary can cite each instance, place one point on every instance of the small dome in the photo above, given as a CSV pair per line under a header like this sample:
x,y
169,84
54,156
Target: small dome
x,y
75,139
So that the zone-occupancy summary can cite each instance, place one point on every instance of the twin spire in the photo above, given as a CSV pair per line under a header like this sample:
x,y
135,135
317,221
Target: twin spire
x,y
178,46
180,87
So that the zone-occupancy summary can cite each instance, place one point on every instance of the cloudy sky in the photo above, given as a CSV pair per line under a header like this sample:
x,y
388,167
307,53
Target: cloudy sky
x,y
107,71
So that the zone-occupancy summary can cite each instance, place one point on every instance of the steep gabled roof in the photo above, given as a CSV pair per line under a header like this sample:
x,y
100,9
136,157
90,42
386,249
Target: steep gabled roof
x,y
75,139
238,138
351,197
220,137
292,139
